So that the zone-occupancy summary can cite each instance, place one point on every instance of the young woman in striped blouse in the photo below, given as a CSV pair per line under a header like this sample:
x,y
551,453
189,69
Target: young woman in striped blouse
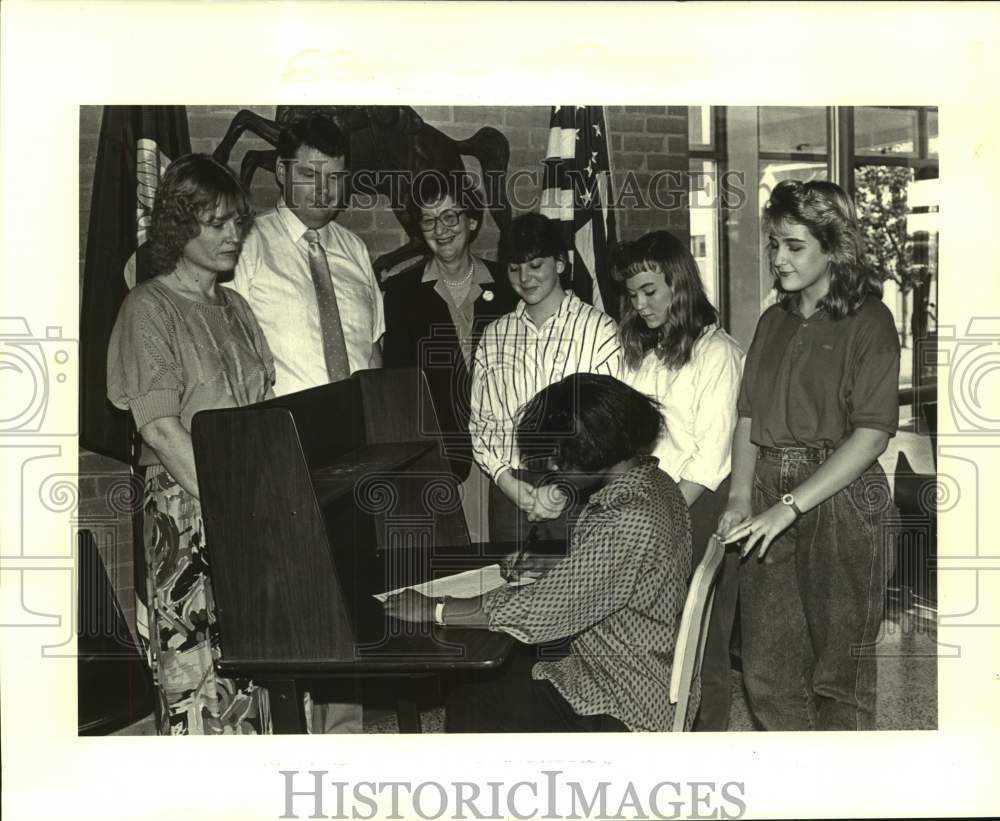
x,y
548,336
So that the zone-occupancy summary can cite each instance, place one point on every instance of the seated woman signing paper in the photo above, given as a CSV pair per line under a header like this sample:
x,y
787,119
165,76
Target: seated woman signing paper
x,y
617,596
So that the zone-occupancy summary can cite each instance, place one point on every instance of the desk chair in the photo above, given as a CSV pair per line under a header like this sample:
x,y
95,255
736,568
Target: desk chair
x,y
929,411
694,628
914,579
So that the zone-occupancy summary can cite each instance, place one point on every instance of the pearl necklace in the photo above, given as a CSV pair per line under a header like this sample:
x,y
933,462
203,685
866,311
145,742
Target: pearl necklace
x,y
463,281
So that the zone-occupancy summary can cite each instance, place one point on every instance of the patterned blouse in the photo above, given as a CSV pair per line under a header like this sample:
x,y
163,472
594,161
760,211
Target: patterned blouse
x,y
619,594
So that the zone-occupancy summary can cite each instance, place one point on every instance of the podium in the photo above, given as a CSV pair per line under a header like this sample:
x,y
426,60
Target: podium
x,y
316,500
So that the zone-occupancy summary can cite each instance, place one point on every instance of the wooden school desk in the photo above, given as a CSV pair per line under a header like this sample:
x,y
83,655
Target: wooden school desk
x,y
314,501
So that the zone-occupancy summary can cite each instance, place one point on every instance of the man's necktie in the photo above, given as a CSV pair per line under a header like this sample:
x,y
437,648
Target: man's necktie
x,y
334,347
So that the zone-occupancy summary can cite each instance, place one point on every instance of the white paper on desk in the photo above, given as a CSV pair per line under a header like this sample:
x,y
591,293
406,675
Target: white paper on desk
x,y
465,585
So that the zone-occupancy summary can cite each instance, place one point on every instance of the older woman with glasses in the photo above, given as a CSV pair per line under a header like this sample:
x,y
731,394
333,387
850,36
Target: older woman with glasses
x,y
435,313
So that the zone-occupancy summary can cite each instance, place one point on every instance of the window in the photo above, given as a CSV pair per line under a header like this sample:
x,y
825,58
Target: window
x,y
895,184
886,157
700,127
774,171
792,129
932,132
704,214
885,130
707,153
792,145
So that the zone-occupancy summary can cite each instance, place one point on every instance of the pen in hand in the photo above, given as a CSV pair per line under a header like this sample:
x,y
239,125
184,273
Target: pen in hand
x,y
509,569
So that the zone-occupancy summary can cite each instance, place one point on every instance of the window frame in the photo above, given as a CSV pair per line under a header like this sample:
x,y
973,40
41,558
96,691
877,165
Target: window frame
x,y
717,152
924,167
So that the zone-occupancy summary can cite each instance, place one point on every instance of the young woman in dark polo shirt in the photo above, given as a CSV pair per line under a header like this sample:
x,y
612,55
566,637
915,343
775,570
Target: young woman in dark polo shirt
x,y
817,406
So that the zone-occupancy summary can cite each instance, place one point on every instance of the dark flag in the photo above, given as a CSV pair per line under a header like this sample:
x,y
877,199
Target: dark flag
x,y
137,142
577,192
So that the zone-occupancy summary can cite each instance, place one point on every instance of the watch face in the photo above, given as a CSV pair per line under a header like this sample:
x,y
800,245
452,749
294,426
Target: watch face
x,y
788,499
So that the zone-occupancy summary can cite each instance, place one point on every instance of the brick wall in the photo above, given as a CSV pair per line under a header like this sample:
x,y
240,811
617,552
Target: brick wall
x,y
646,141
652,143
106,500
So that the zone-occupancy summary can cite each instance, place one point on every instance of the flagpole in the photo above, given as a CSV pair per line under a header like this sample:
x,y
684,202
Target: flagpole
x,y
611,170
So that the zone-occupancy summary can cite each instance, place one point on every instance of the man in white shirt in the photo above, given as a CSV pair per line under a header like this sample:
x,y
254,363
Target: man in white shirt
x,y
317,333
274,272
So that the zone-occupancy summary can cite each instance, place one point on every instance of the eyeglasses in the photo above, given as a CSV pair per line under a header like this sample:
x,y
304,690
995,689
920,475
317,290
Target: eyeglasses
x,y
449,219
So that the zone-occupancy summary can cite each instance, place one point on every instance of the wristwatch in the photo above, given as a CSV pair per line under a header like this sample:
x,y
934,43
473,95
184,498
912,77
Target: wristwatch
x,y
789,500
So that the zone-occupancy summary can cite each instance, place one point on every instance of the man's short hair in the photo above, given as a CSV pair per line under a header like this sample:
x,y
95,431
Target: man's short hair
x,y
320,133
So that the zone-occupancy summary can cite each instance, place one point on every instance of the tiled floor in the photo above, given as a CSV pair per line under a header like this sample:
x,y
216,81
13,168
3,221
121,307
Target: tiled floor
x,y
907,688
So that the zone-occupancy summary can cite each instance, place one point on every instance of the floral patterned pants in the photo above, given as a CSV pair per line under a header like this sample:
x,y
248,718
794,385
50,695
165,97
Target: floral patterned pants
x,y
184,635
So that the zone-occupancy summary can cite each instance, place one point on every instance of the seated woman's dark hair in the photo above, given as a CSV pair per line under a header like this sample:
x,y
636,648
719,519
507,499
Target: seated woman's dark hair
x,y
431,187
190,191
589,422
530,236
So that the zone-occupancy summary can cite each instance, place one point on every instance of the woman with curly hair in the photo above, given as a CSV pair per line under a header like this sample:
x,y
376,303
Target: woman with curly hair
x,y
818,404
180,345
676,352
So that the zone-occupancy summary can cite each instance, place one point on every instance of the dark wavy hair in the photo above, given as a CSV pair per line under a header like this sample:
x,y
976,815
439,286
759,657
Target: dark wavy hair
x,y
689,313
430,187
589,422
191,189
320,133
826,210
534,235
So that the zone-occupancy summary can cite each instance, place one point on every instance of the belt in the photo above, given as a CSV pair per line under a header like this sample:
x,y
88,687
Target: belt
x,y
802,454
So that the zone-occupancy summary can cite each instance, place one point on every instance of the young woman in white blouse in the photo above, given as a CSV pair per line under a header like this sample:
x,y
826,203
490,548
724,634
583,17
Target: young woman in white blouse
x,y
676,352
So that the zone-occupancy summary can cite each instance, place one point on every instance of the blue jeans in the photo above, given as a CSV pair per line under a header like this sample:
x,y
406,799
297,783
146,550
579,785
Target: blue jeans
x,y
811,611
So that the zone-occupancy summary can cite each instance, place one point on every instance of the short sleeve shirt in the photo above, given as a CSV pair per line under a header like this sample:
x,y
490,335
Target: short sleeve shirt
x,y
810,382
173,356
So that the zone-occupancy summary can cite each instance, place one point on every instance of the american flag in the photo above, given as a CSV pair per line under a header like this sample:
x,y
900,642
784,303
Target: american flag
x,y
577,192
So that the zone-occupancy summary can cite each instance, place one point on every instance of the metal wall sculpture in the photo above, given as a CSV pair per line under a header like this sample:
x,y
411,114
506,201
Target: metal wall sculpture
x,y
394,146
